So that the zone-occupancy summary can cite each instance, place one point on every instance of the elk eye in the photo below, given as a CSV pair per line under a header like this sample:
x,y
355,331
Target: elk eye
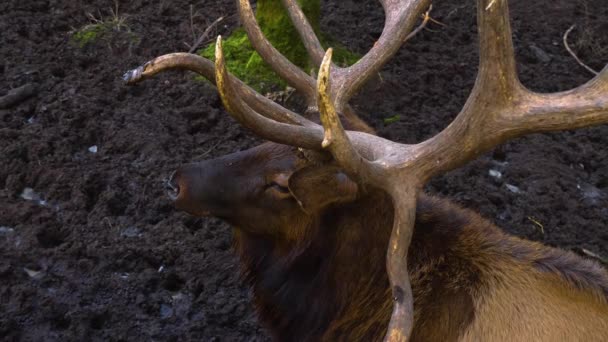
x,y
279,188
277,185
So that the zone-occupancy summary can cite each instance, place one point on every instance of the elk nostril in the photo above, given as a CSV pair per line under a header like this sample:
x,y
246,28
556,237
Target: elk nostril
x,y
172,187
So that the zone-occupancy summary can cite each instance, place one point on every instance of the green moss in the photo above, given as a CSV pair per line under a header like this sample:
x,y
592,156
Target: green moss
x,y
246,64
392,119
104,30
341,56
89,34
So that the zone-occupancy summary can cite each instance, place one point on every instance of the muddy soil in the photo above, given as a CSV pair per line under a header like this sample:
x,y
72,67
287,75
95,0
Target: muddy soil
x,y
90,247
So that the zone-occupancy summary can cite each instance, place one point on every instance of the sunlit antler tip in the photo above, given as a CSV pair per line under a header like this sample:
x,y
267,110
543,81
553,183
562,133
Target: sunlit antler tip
x,y
219,53
323,77
326,60
133,76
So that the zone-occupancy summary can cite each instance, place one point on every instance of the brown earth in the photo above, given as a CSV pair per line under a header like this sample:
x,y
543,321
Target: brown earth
x,y
96,252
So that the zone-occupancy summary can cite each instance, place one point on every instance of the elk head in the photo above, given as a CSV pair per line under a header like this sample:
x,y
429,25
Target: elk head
x,y
499,108
279,185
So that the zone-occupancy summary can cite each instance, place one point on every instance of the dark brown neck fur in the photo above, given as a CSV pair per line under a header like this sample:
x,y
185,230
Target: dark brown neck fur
x,y
334,286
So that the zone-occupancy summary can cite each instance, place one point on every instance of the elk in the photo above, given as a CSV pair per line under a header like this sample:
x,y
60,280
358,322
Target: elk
x,y
316,208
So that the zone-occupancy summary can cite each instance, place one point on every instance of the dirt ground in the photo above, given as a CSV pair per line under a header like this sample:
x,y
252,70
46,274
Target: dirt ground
x,y
91,248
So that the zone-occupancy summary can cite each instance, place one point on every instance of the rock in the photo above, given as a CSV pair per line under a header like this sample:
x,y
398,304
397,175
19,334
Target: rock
x,y
131,231
6,230
513,188
495,173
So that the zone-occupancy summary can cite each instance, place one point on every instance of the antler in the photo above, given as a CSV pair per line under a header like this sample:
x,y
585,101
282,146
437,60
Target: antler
x,y
400,17
499,108
206,68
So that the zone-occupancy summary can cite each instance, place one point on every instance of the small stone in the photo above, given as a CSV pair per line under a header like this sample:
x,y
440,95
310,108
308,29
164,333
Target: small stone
x,y
591,194
495,173
93,149
131,232
33,274
513,188
29,194
590,191
6,230
166,311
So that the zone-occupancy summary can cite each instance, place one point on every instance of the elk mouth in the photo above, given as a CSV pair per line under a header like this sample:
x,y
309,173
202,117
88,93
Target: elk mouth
x,y
172,187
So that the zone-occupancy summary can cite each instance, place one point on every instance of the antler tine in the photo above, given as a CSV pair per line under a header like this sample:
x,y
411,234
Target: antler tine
x,y
335,138
402,188
400,17
306,32
497,75
586,105
279,63
476,129
500,108
300,136
205,68
404,194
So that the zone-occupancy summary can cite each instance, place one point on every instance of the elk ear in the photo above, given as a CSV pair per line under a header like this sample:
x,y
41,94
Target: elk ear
x,y
317,187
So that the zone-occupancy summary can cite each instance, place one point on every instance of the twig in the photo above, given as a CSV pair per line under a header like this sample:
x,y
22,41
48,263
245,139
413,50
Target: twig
x,y
204,154
573,54
203,36
192,23
540,225
437,21
18,95
425,19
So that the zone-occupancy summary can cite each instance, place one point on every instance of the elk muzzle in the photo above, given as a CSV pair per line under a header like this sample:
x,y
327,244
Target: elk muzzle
x,y
206,188
186,189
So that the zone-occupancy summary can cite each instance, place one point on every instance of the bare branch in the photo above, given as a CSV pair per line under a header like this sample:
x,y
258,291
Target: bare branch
x,y
296,78
301,136
205,34
306,32
205,68
18,95
565,40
